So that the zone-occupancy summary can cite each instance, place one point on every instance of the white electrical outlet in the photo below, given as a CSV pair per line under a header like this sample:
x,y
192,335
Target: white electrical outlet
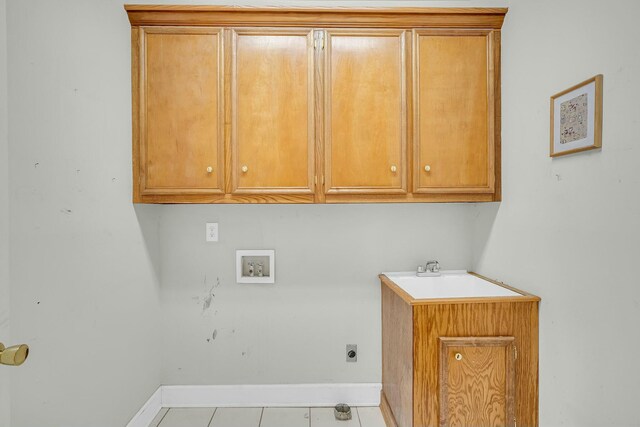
x,y
212,232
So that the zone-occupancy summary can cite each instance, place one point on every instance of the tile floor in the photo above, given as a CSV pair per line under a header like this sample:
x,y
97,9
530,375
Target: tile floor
x,y
265,417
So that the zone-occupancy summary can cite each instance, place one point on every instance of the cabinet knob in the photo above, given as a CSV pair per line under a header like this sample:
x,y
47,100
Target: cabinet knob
x,y
394,168
245,168
427,168
458,356
209,169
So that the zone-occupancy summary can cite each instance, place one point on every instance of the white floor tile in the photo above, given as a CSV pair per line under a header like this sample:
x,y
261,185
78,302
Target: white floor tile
x,y
371,417
159,417
285,417
324,417
237,417
188,417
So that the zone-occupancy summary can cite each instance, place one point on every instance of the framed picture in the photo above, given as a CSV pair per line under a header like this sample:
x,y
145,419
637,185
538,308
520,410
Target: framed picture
x,y
255,266
576,118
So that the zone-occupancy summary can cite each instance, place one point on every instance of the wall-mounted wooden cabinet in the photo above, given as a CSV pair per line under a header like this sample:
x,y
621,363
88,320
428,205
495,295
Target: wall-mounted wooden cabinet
x,y
247,105
272,116
365,112
455,111
272,101
178,138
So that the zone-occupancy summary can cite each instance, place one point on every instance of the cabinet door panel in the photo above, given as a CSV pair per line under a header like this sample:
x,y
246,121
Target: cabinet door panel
x,y
477,382
181,120
454,112
272,111
365,112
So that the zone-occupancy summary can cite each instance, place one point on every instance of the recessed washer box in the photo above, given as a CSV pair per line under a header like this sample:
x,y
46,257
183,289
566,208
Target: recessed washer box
x,y
255,265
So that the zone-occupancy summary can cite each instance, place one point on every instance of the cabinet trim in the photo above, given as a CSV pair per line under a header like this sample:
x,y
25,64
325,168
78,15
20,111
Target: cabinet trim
x,y
308,17
135,112
497,114
319,82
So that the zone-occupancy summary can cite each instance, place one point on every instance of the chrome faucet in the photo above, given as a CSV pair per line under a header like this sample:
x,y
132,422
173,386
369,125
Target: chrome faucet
x,y
432,267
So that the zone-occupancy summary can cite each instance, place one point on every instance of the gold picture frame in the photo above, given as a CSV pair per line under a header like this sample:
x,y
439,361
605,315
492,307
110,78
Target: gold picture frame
x,y
576,118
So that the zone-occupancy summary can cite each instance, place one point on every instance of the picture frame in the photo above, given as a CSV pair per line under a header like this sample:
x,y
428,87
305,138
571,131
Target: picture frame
x,y
576,118
255,266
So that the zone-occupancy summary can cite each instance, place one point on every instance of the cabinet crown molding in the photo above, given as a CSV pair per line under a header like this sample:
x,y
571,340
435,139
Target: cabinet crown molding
x,y
166,15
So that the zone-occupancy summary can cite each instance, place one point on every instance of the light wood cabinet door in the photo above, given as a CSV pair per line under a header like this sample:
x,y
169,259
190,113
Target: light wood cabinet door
x,y
454,111
272,119
477,382
365,112
181,112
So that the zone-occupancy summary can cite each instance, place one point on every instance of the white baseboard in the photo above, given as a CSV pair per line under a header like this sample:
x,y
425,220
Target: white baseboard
x,y
278,395
148,411
285,395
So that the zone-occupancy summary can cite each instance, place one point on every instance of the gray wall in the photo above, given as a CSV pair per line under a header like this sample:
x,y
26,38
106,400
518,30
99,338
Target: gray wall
x,y
84,286
568,228
85,264
123,282
326,294
327,291
4,217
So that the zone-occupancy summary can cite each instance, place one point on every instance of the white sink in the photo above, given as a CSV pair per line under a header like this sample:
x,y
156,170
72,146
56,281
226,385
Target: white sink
x,y
450,284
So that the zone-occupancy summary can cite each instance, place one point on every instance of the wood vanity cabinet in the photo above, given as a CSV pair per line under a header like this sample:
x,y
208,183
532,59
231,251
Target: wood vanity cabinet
x,y
277,105
459,361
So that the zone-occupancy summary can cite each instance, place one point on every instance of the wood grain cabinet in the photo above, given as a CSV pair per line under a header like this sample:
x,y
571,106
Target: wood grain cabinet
x,y
272,118
365,112
463,362
276,105
477,381
455,135
178,129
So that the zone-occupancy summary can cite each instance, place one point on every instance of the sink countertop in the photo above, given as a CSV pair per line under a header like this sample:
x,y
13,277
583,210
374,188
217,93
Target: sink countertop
x,y
455,287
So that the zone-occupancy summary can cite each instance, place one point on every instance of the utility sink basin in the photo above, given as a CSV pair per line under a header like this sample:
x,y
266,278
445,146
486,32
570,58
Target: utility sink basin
x,y
450,284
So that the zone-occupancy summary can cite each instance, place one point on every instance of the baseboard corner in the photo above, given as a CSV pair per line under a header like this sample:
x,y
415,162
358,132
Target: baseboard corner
x,y
149,410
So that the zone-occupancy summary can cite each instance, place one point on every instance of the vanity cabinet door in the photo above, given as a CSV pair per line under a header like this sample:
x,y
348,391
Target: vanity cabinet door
x,y
477,382
272,116
455,133
365,112
180,114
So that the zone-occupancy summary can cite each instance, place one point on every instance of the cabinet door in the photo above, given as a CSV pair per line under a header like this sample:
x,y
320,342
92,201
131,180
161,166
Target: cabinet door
x,y
365,112
272,140
477,382
454,112
181,112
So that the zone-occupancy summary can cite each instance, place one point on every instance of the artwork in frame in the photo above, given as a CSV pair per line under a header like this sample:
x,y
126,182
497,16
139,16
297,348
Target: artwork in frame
x,y
576,118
